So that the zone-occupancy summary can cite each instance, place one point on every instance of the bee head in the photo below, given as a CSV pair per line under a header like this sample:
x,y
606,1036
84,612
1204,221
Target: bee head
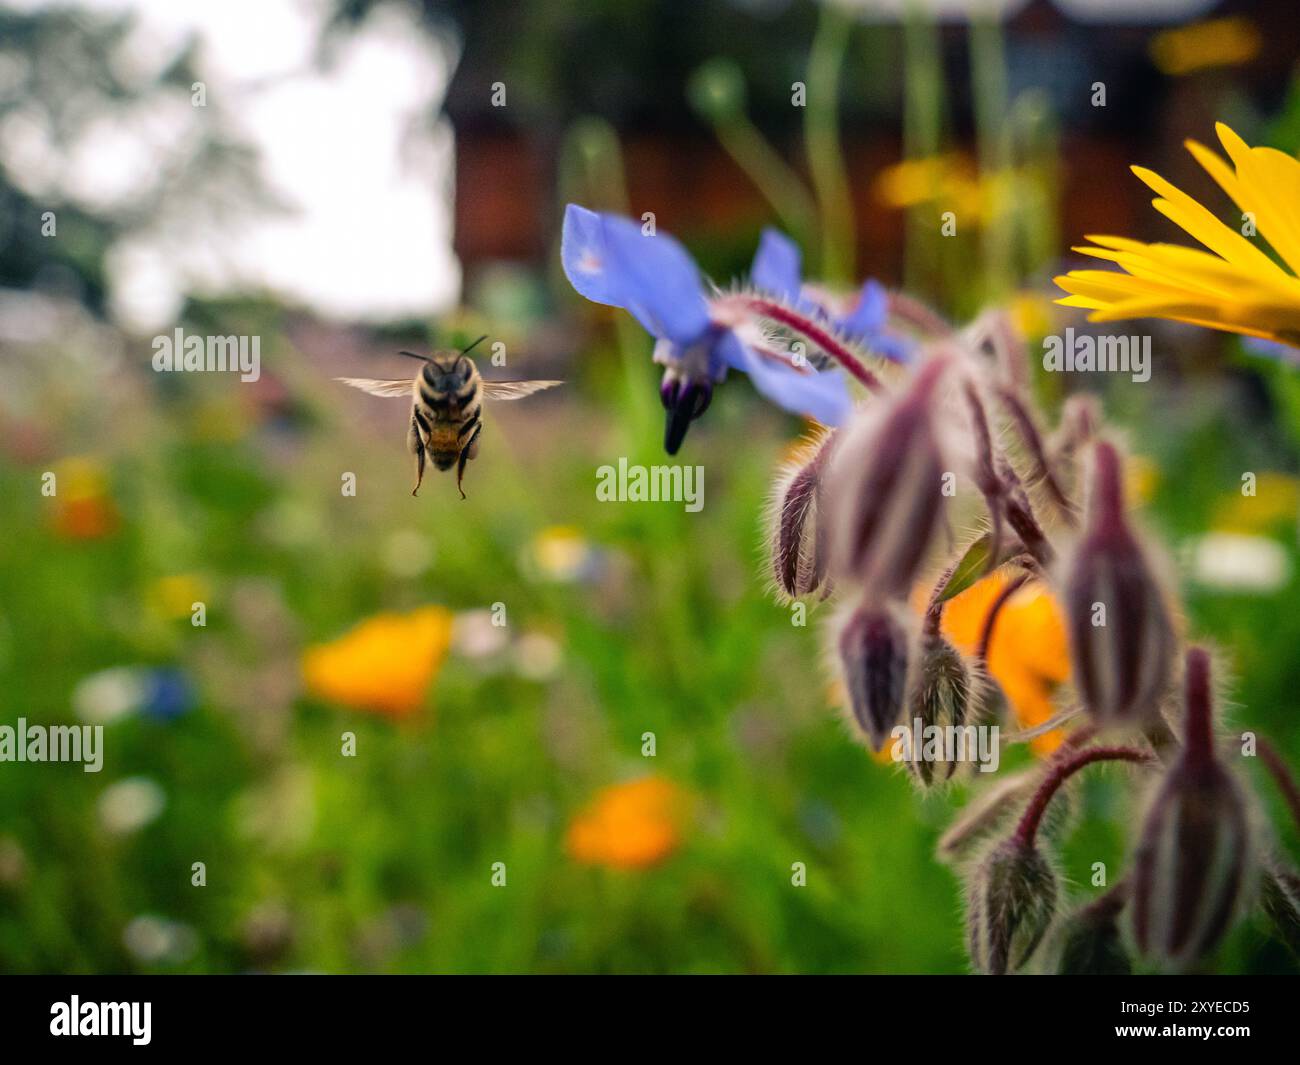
x,y
448,372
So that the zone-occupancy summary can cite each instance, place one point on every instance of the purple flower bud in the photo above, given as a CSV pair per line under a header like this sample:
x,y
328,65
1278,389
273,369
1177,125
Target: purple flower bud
x,y
885,491
798,537
1011,900
1192,854
874,654
1121,638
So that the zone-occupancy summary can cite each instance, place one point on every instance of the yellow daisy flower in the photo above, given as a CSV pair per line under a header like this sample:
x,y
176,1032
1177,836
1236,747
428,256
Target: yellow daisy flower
x,y
1234,286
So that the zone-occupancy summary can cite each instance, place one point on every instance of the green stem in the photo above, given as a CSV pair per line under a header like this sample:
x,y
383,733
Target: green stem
x,y
825,153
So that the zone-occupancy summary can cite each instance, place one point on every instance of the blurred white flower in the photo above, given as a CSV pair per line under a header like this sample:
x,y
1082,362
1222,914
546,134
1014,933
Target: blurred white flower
x,y
154,940
109,695
537,656
473,635
1234,562
130,804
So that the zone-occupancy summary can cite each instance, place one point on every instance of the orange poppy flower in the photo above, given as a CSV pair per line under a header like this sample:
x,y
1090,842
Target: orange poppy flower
x,y
629,826
384,665
1029,655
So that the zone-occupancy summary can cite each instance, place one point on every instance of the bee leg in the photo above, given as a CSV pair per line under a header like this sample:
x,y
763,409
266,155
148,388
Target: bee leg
x,y
465,456
416,446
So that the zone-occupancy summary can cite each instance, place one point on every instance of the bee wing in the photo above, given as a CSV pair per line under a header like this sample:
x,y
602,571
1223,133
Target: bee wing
x,y
391,389
515,389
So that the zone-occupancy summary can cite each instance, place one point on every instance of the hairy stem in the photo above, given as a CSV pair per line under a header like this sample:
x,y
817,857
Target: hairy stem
x,y
991,618
817,333
1282,776
1027,829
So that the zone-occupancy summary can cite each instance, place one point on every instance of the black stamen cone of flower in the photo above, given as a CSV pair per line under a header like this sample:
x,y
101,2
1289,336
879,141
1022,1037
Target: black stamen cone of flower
x,y
1090,940
1190,868
874,653
1011,901
685,399
798,537
943,696
1121,638
885,491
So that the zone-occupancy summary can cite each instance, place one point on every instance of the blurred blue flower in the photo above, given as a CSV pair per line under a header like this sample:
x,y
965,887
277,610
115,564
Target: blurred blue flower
x,y
777,269
610,260
168,695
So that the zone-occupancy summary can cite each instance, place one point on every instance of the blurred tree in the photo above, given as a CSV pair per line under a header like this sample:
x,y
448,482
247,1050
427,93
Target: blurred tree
x,y
72,95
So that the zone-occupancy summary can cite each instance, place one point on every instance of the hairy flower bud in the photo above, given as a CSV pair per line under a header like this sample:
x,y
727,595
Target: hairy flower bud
x,y
874,653
1010,904
885,491
798,537
943,695
1121,638
1192,855
1280,898
1090,941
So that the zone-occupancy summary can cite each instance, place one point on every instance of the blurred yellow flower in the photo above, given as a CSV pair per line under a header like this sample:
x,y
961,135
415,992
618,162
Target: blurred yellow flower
x,y
174,597
1029,655
83,509
1220,42
1235,286
1276,502
1033,314
947,178
1141,479
385,664
629,826
559,553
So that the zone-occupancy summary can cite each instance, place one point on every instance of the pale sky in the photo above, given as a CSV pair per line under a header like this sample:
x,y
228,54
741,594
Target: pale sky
x,y
369,235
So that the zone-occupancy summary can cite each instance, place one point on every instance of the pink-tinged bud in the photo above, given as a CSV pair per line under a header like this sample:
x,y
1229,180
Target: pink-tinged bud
x,y
1011,901
874,654
798,536
885,491
1121,638
1190,868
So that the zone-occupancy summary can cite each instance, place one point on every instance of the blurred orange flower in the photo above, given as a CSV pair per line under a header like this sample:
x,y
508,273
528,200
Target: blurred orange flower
x,y
1028,655
629,826
83,509
385,664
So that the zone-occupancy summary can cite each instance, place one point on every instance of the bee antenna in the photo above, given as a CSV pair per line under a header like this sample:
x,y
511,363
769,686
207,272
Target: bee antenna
x,y
465,351
413,355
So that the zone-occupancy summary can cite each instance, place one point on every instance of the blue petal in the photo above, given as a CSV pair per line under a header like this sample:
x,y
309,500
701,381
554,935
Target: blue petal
x,y
610,260
870,314
776,266
585,258
823,395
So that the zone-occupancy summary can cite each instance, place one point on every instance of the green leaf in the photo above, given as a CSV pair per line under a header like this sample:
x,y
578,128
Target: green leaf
x,y
973,565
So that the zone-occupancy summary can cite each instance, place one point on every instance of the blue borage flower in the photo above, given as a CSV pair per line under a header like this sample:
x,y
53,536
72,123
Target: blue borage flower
x,y
700,335
777,269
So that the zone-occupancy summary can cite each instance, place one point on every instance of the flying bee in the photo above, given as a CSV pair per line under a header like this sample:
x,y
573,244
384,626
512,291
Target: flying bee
x,y
446,403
